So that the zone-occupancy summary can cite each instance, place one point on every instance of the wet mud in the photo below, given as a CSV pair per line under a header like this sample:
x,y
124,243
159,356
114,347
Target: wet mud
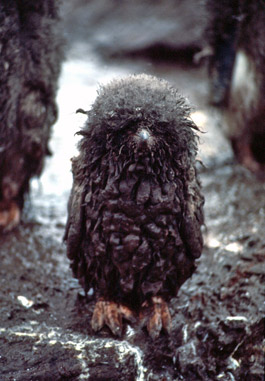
x,y
218,315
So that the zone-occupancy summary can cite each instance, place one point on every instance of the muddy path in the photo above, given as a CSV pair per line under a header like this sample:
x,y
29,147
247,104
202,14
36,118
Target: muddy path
x,y
218,323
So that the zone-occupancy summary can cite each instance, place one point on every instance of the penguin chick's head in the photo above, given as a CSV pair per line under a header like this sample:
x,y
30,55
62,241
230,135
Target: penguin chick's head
x,y
140,113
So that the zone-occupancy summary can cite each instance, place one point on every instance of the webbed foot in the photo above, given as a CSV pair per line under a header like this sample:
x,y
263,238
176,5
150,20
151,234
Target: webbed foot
x,y
111,314
156,317
9,216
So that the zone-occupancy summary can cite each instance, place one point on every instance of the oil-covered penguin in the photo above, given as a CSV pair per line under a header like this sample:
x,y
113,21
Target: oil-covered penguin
x,y
136,209
31,52
236,33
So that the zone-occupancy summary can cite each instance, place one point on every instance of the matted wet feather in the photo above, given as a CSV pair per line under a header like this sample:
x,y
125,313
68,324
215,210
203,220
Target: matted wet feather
x,y
136,207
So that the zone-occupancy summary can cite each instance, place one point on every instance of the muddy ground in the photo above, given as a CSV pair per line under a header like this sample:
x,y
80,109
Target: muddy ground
x,y
218,316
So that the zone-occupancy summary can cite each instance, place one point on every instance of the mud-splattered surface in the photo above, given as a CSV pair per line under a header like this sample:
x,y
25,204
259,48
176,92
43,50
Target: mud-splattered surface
x,y
217,317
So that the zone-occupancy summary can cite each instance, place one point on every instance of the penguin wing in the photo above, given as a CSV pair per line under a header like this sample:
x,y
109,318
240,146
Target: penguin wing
x,y
192,220
74,227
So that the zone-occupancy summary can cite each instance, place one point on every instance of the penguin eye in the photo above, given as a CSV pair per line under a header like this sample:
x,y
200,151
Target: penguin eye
x,y
129,125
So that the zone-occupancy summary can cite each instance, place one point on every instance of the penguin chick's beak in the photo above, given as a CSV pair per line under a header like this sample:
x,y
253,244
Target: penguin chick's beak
x,y
143,139
144,134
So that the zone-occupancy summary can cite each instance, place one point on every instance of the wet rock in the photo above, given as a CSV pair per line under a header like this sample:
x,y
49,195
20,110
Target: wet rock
x,y
44,351
171,29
